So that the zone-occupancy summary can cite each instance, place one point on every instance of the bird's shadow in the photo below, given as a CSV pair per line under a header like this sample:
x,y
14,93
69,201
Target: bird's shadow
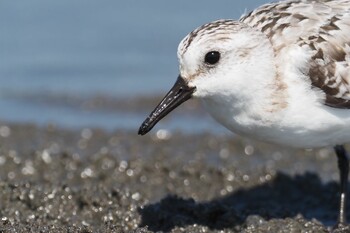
x,y
283,197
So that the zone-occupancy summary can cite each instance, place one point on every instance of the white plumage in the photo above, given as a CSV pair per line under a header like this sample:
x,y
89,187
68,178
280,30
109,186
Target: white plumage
x,y
284,74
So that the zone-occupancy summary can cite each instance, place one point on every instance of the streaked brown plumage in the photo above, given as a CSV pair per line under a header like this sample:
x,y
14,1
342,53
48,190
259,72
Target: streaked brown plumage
x,y
322,29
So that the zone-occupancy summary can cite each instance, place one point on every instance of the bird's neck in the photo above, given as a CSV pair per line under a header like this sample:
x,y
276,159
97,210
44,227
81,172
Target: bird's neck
x,y
254,92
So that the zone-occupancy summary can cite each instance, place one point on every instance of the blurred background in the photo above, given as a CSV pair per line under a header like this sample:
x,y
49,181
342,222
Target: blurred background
x,y
79,63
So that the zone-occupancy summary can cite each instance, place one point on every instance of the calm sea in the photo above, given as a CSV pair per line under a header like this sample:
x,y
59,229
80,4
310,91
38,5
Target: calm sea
x,y
88,48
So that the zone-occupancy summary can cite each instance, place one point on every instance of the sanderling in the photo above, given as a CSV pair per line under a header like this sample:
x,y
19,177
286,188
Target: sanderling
x,y
280,74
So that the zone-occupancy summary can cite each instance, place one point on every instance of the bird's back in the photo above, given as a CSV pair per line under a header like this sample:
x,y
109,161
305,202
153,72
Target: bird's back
x,y
322,29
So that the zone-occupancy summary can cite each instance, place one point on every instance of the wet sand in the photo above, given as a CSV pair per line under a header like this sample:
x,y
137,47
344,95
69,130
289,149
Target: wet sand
x,y
89,180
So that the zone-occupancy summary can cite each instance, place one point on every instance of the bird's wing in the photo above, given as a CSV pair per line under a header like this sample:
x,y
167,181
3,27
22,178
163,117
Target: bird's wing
x,y
320,27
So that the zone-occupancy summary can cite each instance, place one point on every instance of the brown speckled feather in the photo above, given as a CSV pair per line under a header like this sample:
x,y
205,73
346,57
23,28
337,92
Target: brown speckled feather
x,y
322,28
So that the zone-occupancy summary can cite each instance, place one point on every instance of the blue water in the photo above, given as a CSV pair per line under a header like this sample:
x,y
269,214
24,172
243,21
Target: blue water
x,y
95,47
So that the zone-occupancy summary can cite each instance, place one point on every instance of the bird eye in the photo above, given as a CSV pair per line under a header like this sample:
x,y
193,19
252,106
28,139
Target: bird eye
x,y
212,57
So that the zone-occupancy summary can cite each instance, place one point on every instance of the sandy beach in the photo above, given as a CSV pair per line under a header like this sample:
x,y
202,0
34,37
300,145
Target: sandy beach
x,y
89,180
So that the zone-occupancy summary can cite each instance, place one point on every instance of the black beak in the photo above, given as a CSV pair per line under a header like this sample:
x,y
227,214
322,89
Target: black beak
x,y
178,94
